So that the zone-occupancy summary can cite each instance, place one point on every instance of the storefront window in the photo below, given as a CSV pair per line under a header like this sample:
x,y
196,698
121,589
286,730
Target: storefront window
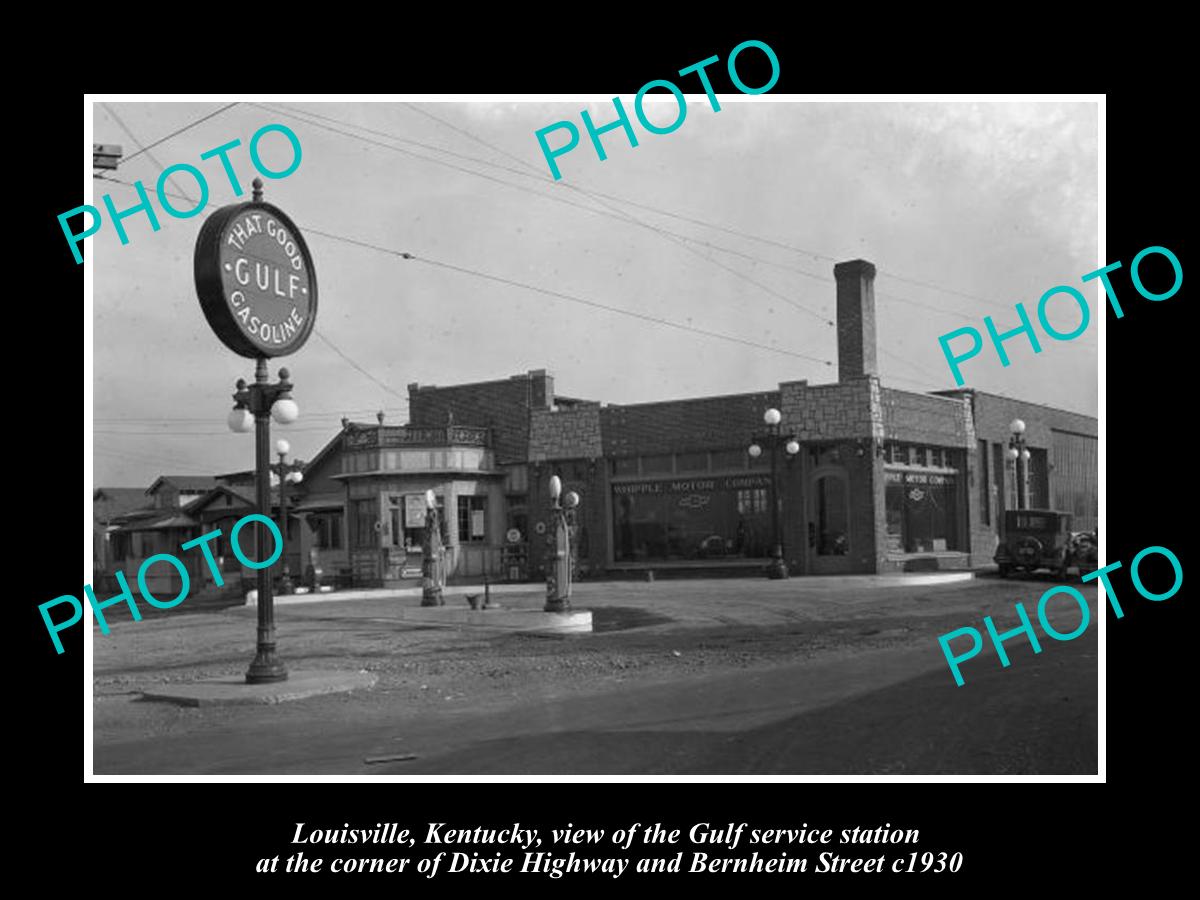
x,y
327,530
922,512
396,510
414,520
472,519
685,519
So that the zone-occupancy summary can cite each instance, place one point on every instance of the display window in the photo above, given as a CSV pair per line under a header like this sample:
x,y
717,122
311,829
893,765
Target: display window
x,y
709,518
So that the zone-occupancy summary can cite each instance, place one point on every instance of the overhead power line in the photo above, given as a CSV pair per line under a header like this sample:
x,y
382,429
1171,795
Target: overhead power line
x,y
618,214
706,223
150,156
332,346
648,207
290,429
208,420
532,173
179,131
564,296
545,291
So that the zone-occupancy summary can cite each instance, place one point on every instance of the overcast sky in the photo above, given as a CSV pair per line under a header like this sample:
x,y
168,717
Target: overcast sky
x,y
964,208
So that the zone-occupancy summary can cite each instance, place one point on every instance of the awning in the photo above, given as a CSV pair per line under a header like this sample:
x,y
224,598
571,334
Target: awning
x,y
316,504
176,521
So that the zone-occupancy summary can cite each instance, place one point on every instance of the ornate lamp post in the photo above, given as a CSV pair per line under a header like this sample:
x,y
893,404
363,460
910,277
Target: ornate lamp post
x,y
558,573
776,568
255,406
288,473
1019,454
258,291
433,566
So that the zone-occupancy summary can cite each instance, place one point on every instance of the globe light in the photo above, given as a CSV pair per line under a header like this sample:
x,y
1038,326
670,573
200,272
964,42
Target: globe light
x,y
274,480
1017,426
772,416
282,447
755,451
571,500
1025,454
792,447
295,477
240,420
555,487
1013,452
285,411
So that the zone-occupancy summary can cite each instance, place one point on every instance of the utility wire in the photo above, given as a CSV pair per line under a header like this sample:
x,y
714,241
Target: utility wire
x,y
614,213
290,429
695,221
150,156
564,296
707,224
179,131
534,175
530,171
356,366
558,294
645,206
318,333
150,420
152,460
546,291
598,197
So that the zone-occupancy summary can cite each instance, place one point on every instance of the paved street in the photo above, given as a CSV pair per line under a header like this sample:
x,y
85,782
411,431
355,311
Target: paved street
x,y
711,676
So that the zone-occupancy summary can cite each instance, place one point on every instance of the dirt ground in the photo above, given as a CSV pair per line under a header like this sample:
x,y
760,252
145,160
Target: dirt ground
x,y
644,634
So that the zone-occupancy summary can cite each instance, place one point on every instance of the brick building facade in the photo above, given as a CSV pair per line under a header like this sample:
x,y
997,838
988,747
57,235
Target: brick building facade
x,y
884,480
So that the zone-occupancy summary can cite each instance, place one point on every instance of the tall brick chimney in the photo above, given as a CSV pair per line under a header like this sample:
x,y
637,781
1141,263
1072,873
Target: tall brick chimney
x,y
541,389
855,319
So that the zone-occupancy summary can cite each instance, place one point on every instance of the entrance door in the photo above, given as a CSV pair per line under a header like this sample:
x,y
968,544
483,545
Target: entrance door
x,y
829,537
393,538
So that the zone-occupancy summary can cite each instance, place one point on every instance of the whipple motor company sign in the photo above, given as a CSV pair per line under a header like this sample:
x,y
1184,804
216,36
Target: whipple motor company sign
x,y
255,280
693,485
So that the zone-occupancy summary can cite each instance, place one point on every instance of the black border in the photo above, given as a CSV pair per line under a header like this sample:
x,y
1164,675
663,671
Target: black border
x,y
1027,837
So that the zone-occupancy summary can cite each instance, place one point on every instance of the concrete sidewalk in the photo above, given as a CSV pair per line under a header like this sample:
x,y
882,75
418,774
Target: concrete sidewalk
x,y
816,583
456,590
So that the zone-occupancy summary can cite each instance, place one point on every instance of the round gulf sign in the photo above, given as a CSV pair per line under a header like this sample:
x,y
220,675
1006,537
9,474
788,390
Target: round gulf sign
x,y
255,280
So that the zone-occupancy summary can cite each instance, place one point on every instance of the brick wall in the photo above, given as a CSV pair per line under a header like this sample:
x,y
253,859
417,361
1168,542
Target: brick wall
x,y
924,419
1046,428
565,433
503,406
681,425
826,412
994,413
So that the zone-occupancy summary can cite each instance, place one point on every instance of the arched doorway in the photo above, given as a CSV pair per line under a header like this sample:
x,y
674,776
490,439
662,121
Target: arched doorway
x,y
829,536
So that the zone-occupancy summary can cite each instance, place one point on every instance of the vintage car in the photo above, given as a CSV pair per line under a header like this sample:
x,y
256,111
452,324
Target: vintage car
x,y
1042,539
